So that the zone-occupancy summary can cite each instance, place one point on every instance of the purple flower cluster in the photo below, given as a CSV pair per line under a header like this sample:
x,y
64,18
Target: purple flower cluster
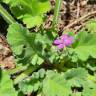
x,y
64,41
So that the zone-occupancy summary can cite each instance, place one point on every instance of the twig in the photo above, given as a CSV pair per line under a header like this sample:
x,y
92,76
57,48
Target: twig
x,y
80,19
78,9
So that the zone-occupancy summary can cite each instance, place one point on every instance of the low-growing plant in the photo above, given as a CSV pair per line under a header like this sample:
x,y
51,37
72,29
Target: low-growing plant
x,y
47,64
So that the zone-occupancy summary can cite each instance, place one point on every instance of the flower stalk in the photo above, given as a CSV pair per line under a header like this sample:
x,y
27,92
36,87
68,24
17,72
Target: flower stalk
x,y
56,11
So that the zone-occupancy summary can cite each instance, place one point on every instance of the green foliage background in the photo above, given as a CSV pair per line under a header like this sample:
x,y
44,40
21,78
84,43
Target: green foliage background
x,y
40,67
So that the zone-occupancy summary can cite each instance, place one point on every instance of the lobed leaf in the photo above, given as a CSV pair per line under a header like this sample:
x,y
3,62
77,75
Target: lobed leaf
x,y
86,46
55,85
6,85
31,12
24,45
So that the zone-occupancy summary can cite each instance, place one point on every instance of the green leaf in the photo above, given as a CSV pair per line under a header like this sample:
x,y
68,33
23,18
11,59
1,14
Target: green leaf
x,y
86,46
31,12
32,83
55,85
6,85
76,73
77,78
89,88
39,74
24,45
27,87
37,60
32,21
91,26
77,94
28,47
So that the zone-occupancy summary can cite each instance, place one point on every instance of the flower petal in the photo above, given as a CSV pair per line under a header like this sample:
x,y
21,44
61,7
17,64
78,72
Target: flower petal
x,y
60,46
69,41
63,37
57,41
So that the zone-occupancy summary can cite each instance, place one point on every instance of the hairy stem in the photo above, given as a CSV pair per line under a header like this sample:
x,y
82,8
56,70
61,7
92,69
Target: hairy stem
x,y
8,18
56,11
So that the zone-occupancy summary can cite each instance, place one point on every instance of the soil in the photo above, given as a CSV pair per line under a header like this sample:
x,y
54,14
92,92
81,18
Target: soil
x,y
6,57
73,16
70,13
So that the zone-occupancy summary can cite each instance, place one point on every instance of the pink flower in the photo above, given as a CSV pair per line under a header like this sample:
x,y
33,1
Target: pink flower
x,y
64,41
